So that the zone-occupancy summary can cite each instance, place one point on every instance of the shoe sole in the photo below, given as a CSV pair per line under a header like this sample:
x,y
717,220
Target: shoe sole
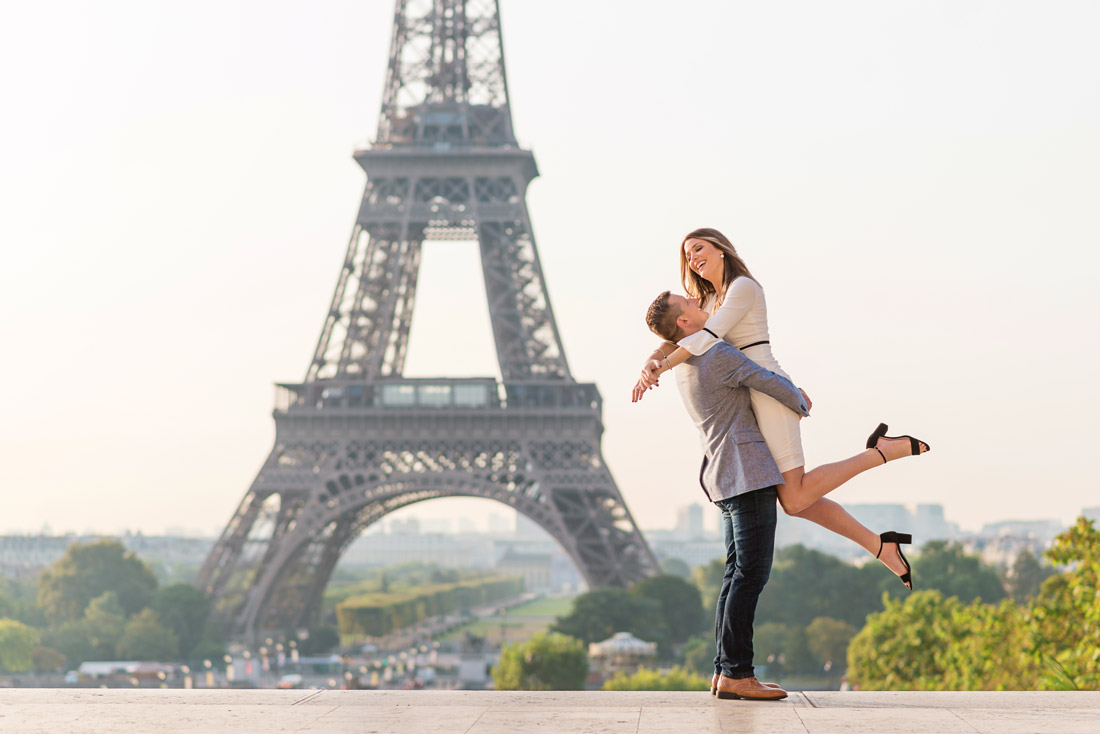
x,y
726,696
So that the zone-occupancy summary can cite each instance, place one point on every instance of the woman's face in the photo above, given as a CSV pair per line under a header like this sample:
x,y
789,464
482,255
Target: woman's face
x,y
705,260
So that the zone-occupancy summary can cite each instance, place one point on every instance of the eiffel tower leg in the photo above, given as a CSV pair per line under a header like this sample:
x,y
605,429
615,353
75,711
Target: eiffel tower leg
x,y
606,545
366,332
526,335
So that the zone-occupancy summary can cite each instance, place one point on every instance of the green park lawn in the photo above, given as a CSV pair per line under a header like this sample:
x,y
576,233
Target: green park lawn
x,y
518,625
547,606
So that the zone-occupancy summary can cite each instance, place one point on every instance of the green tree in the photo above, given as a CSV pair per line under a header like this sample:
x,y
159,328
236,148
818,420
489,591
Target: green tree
x,y
20,601
676,567
645,679
699,655
904,646
208,649
600,613
1026,576
185,610
708,579
47,660
72,640
145,638
797,655
321,639
444,575
932,643
806,583
546,662
828,640
17,643
88,570
681,605
769,642
1065,617
104,622
947,568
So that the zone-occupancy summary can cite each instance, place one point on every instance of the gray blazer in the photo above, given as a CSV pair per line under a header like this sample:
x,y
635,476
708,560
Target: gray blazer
x,y
714,387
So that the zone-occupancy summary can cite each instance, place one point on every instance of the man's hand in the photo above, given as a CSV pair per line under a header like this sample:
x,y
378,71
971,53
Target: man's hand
x,y
809,403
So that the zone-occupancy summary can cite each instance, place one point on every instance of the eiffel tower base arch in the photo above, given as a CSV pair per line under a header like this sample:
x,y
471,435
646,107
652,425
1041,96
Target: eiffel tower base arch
x,y
338,468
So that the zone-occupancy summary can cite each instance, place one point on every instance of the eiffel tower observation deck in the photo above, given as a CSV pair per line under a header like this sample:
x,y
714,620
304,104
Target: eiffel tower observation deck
x,y
357,440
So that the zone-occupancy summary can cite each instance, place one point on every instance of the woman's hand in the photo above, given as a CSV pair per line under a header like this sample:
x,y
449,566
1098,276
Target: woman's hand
x,y
648,380
809,403
650,372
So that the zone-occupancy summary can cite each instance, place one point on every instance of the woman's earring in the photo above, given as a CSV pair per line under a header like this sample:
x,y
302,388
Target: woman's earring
x,y
721,254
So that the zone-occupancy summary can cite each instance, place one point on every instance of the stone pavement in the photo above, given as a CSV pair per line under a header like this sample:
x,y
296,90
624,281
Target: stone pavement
x,y
91,711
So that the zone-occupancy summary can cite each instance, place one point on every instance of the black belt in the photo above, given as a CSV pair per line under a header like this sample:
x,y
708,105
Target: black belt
x,y
754,344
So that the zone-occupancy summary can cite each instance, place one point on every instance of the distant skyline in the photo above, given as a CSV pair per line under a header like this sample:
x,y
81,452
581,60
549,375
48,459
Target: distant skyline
x,y
914,185
493,518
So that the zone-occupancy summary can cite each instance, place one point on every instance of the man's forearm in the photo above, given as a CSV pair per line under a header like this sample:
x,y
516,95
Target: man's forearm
x,y
775,386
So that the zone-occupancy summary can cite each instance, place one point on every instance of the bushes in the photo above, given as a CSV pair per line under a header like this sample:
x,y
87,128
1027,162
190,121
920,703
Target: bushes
x,y
663,609
374,615
546,662
645,679
930,642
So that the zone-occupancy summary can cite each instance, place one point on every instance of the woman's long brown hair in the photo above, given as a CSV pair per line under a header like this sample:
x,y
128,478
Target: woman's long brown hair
x,y
699,287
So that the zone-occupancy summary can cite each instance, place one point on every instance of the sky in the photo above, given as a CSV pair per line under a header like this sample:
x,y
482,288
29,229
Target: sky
x,y
915,184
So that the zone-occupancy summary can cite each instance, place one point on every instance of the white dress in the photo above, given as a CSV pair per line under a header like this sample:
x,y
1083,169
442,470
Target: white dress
x,y
742,320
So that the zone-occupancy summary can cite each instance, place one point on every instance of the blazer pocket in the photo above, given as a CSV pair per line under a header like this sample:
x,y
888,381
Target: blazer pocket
x,y
748,436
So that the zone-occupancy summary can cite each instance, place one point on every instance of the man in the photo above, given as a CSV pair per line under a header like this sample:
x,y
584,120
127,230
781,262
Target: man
x,y
738,475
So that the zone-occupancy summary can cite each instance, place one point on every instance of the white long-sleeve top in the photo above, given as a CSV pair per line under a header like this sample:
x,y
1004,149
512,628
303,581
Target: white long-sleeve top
x,y
742,319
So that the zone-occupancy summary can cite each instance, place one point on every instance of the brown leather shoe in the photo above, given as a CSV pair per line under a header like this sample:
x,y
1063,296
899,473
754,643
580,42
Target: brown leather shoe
x,y
749,688
714,684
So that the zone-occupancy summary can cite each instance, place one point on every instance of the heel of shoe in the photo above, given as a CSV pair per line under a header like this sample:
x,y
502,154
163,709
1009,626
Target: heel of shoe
x,y
901,539
876,435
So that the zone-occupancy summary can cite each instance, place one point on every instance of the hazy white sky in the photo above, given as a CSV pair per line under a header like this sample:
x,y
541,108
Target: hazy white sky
x,y
914,183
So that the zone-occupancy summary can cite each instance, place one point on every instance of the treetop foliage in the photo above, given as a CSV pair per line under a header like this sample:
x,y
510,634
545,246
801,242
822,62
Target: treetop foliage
x,y
17,644
546,662
664,609
88,570
934,642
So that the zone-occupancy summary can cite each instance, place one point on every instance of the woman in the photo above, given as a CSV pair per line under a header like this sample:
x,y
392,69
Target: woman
x,y
713,272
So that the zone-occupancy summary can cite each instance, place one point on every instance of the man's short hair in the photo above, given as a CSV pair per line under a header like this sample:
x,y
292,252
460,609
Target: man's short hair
x,y
661,318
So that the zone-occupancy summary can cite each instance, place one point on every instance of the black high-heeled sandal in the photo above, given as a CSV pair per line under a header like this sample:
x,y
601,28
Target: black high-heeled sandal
x,y
891,537
880,432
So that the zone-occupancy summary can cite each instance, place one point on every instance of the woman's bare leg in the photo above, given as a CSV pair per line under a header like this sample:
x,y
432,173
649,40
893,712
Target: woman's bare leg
x,y
805,488
833,517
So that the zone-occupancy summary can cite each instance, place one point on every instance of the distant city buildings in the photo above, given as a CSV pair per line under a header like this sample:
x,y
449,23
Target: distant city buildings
x,y
689,521
24,556
925,522
997,543
512,547
1036,529
521,546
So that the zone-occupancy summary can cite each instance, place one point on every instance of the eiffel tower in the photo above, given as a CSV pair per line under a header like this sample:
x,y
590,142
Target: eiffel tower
x,y
357,440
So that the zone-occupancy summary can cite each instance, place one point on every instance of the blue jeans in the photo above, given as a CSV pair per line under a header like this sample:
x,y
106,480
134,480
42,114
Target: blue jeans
x,y
748,522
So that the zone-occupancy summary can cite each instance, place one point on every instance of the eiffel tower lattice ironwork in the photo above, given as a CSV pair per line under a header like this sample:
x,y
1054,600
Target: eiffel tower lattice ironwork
x,y
356,440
